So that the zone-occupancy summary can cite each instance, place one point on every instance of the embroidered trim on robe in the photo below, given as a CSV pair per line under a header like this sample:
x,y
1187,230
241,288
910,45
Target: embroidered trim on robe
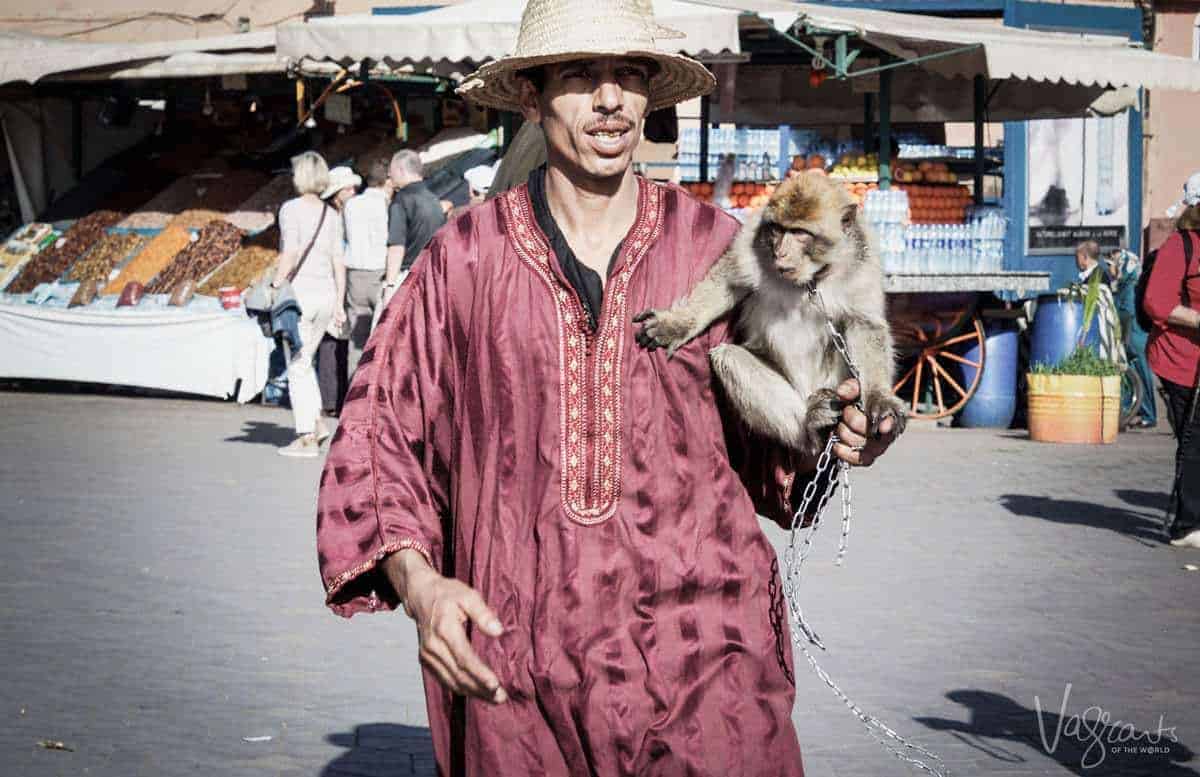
x,y
589,363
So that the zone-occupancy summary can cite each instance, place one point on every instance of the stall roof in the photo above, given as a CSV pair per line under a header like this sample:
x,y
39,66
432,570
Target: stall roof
x,y
456,38
31,58
1001,52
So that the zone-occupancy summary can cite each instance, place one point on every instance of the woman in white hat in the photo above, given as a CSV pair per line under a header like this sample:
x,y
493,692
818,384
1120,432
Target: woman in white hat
x,y
311,250
333,355
569,519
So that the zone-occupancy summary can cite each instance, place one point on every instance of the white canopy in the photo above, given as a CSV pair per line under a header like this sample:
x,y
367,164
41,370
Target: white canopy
x,y
457,38
31,57
1002,53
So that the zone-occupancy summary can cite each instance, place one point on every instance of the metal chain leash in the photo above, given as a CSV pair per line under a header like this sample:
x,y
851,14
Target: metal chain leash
x,y
793,556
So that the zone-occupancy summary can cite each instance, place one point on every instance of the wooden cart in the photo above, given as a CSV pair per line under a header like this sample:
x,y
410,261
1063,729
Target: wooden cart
x,y
938,328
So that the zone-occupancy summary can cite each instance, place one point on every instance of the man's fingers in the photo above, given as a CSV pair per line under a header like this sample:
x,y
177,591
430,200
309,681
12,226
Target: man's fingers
x,y
482,679
851,438
855,420
439,667
640,317
847,454
481,615
441,648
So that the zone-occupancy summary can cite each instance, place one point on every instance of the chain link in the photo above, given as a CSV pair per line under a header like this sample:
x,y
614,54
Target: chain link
x,y
802,633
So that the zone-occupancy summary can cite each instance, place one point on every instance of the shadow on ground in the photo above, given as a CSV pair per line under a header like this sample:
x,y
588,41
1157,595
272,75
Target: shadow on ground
x,y
264,433
1150,500
1144,526
1077,738
382,750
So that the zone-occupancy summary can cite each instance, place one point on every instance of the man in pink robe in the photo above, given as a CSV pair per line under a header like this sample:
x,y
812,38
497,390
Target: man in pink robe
x,y
571,520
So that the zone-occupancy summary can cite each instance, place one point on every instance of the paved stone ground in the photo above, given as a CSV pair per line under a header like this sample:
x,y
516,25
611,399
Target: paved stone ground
x,y
159,602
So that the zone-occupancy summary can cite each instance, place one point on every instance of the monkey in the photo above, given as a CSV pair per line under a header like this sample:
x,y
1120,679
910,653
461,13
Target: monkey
x,y
806,258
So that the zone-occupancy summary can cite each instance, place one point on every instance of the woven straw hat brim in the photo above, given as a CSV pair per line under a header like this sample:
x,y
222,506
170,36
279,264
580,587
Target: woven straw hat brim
x,y
680,78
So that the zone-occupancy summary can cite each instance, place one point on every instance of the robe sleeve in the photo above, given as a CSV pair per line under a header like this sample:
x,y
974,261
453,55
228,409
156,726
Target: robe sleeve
x,y
386,485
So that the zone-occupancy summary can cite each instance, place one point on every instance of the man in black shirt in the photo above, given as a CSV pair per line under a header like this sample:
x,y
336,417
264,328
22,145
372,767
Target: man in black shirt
x,y
414,215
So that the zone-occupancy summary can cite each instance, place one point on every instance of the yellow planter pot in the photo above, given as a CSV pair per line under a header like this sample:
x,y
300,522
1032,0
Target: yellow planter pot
x,y
1074,408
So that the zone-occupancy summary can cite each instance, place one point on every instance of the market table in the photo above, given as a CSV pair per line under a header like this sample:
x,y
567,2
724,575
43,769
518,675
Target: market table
x,y
196,350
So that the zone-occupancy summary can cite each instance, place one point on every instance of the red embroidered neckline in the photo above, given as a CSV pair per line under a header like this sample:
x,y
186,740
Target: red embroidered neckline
x,y
589,387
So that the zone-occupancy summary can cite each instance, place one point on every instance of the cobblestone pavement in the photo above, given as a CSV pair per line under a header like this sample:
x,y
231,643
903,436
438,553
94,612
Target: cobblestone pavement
x,y
160,605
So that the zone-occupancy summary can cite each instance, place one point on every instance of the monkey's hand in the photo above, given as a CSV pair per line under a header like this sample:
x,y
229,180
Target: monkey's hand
x,y
824,410
880,405
670,329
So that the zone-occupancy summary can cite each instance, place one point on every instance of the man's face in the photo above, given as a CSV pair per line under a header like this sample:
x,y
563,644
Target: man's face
x,y
1082,261
398,177
591,112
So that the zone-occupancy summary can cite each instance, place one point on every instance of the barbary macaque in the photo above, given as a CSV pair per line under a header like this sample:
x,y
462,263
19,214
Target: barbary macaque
x,y
782,373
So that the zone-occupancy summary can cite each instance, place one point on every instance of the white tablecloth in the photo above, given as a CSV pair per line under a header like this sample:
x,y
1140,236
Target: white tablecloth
x,y
204,352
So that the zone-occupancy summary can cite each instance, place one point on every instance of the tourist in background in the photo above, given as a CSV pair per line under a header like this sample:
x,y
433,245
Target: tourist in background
x,y
415,214
366,218
1125,268
310,234
1173,303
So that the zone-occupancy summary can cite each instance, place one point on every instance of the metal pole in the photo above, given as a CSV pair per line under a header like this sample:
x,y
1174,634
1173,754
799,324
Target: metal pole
x,y
868,121
980,107
885,130
704,112
77,136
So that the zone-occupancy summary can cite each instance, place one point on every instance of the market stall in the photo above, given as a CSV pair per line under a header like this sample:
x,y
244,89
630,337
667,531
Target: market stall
x,y
942,232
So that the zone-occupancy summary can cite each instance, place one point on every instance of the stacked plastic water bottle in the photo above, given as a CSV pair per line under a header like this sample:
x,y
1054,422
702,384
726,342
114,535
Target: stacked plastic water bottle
x,y
886,212
988,227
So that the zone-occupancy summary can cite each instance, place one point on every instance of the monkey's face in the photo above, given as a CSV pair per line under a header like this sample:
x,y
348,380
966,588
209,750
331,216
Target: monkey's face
x,y
807,230
795,254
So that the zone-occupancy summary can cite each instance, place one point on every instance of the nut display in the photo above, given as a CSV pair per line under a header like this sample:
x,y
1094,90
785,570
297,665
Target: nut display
x,y
99,263
195,218
53,260
216,243
168,203
11,263
85,294
246,267
156,255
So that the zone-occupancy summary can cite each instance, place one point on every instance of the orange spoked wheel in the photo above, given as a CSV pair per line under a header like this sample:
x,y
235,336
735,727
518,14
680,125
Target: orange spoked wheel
x,y
941,354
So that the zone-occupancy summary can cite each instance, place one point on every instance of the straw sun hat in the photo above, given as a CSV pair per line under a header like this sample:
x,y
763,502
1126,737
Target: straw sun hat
x,y
564,30
340,178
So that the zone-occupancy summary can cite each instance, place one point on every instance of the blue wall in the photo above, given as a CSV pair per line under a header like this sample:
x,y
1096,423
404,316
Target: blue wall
x,y
1077,18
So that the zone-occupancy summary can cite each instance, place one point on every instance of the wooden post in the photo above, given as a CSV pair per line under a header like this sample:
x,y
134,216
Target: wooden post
x,y
704,113
980,108
885,130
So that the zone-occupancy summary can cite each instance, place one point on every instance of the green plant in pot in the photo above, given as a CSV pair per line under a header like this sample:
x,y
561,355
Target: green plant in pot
x,y
1077,400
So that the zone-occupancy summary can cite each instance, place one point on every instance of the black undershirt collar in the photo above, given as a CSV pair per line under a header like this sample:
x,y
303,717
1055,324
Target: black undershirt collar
x,y
583,279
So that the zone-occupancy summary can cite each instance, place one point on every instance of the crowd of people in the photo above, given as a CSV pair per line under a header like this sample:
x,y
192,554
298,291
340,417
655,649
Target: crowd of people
x,y
345,247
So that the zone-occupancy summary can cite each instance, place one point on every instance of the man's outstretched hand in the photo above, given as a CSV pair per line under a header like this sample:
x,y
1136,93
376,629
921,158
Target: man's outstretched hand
x,y
441,606
854,446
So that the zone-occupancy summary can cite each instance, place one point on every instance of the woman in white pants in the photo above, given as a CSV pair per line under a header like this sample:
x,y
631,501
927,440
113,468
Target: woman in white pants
x,y
320,286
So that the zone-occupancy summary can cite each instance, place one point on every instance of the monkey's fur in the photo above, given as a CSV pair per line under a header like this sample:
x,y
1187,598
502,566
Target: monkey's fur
x,y
782,375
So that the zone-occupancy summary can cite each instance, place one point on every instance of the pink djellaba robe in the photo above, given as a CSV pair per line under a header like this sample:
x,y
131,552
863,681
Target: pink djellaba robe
x,y
585,488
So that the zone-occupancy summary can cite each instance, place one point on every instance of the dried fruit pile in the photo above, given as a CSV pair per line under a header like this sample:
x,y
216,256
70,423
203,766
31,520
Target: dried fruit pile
x,y
195,218
246,267
168,203
107,254
216,243
157,254
53,260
